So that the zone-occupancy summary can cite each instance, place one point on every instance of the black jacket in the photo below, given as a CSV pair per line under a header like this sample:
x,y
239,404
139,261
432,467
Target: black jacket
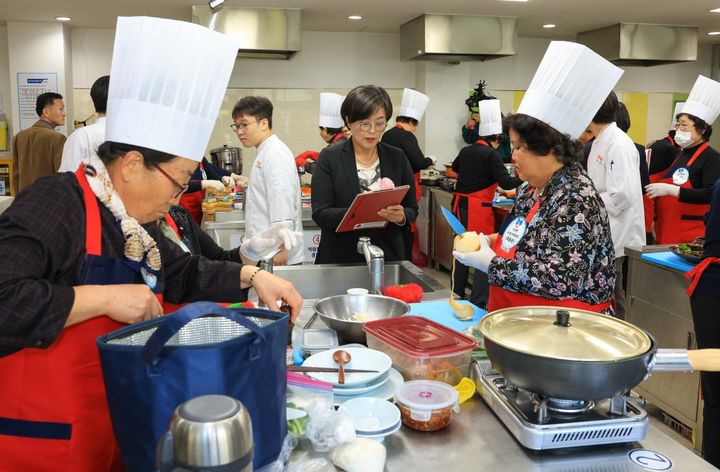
x,y
405,140
198,241
478,167
334,186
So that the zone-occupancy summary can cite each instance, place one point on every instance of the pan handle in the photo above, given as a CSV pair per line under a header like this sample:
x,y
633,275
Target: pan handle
x,y
671,360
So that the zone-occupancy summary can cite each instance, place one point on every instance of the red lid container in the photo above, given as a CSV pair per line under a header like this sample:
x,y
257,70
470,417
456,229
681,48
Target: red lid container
x,y
419,337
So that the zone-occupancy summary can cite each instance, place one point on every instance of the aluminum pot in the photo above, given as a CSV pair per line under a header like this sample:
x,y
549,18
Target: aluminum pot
x,y
573,354
347,314
229,158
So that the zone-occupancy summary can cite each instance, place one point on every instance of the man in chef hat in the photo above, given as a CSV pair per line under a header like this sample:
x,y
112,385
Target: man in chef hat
x,y
330,123
683,191
412,109
562,252
82,255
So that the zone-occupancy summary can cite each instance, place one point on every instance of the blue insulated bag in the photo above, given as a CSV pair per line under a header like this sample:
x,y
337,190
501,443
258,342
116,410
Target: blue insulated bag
x,y
152,367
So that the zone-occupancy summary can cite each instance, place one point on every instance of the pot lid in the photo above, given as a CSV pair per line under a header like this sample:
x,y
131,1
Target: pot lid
x,y
565,334
224,148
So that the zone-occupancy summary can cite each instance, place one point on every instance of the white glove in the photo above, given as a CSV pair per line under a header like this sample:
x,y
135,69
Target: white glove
x,y
212,184
234,179
268,240
481,259
662,190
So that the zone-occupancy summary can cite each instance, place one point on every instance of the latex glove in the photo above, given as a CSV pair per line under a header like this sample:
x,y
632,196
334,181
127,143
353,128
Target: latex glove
x,y
662,190
233,180
279,234
212,184
481,259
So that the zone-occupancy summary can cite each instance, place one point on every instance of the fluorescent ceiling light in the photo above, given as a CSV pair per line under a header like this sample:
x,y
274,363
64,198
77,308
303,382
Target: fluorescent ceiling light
x,y
549,26
512,0
713,33
216,4
354,17
63,18
715,10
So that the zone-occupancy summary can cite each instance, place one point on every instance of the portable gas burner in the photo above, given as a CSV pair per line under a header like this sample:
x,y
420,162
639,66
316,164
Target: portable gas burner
x,y
551,423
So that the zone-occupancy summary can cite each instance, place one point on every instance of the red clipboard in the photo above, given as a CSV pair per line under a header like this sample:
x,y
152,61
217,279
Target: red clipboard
x,y
363,213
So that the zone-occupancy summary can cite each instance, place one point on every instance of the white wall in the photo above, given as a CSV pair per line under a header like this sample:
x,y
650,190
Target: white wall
x,y
38,47
340,61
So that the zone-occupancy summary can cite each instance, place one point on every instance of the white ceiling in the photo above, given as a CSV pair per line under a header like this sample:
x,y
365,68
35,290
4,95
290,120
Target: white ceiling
x,y
570,16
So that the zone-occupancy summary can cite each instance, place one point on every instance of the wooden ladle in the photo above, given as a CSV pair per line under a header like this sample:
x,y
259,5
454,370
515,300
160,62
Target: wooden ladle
x,y
341,357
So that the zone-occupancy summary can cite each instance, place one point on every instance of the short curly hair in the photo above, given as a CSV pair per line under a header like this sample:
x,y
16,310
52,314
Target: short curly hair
x,y
543,139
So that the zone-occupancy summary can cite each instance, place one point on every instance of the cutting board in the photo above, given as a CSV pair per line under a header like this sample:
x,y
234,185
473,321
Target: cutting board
x,y
441,312
668,259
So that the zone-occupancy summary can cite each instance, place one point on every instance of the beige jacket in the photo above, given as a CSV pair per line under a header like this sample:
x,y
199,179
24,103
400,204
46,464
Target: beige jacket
x,y
36,152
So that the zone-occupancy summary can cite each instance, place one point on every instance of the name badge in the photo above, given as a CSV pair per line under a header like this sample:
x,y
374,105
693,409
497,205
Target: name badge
x,y
514,233
680,176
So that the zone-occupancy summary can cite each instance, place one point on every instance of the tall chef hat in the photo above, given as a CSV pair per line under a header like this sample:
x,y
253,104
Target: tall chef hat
x,y
159,99
413,104
704,100
569,86
490,117
676,112
330,104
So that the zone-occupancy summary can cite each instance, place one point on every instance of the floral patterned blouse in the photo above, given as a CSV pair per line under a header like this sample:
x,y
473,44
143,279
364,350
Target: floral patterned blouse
x,y
567,251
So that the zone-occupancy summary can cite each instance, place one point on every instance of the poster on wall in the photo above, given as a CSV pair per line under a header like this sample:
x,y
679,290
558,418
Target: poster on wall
x,y
30,85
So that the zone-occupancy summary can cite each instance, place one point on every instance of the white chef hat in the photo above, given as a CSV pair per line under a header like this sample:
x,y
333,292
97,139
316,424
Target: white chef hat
x,y
676,112
490,117
569,86
168,81
704,100
413,104
330,104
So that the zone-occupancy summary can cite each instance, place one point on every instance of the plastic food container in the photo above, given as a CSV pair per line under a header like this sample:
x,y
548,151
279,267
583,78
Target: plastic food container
x,y
426,405
422,349
313,341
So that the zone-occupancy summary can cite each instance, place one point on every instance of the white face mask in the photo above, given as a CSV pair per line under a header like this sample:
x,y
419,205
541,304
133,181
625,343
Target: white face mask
x,y
682,138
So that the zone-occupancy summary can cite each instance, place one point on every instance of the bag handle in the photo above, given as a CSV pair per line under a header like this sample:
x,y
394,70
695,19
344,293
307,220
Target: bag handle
x,y
174,323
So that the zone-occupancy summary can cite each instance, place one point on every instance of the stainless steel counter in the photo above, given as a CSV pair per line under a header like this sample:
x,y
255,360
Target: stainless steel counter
x,y
657,302
477,441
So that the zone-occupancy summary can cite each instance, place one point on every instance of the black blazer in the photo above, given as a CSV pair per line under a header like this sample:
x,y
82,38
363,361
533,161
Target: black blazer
x,y
334,186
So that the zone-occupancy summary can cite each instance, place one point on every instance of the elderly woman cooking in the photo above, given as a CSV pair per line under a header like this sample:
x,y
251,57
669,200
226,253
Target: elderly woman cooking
x,y
554,248
356,166
82,254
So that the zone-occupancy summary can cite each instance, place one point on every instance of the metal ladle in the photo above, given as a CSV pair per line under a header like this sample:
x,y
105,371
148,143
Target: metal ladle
x,y
341,357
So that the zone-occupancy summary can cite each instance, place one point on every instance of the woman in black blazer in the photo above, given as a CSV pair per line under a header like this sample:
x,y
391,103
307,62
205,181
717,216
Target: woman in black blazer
x,y
350,168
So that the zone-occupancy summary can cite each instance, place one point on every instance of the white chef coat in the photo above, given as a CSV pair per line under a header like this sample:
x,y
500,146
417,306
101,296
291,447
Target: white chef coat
x,y
614,167
81,144
273,193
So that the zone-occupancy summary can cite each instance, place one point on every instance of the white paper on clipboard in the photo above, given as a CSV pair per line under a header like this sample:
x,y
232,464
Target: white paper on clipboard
x,y
363,212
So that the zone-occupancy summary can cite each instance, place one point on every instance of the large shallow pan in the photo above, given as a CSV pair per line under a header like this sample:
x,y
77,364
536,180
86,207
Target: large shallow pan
x,y
573,354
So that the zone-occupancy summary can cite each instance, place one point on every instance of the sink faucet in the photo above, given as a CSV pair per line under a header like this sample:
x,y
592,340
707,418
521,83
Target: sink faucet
x,y
267,261
375,259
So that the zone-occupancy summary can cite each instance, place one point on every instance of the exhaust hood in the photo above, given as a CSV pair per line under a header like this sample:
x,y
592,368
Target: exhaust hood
x,y
435,37
263,33
638,44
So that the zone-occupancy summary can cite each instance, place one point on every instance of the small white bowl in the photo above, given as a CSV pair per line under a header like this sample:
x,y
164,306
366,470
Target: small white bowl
x,y
371,415
357,291
380,437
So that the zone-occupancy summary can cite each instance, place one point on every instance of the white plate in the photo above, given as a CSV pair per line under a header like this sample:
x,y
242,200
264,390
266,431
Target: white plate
x,y
358,390
361,358
386,391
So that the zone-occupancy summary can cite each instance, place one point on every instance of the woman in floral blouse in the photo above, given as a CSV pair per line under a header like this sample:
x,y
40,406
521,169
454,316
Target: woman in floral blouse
x,y
554,248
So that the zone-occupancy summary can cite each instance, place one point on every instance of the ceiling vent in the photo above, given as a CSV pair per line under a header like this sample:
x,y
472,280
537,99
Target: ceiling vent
x,y
263,33
434,37
638,44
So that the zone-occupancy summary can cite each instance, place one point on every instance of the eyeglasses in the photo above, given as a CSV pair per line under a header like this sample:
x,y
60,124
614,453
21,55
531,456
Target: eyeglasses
x,y
241,126
367,126
182,188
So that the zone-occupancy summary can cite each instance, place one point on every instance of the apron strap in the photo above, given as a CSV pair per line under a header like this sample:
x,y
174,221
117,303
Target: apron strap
x,y
93,238
696,272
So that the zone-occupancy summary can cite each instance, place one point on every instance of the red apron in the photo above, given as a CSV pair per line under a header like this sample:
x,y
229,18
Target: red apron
x,y
481,218
678,222
501,298
337,137
192,201
53,411
696,272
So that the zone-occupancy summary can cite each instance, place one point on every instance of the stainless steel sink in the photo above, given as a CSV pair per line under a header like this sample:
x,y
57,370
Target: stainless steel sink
x,y
325,280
